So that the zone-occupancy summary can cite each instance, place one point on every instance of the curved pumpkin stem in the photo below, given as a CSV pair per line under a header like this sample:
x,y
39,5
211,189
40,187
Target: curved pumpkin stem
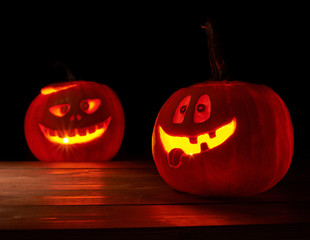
x,y
69,75
218,66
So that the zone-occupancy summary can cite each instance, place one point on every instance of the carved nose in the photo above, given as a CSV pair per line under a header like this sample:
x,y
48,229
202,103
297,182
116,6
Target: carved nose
x,y
77,117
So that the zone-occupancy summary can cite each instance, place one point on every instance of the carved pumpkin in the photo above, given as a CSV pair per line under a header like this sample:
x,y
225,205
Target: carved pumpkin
x,y
75,121
223,138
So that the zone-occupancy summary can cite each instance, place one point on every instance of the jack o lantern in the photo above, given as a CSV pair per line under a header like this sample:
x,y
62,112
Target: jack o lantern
x,y
223,138
75,121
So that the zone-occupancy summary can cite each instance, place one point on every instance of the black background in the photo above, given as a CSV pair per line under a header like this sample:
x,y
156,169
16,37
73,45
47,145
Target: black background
x,y
145,53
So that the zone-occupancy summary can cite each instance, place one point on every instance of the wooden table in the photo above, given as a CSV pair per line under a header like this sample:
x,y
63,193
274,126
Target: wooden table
x,y
129,200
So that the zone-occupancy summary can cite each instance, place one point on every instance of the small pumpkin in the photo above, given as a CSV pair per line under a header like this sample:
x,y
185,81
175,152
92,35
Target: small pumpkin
x,y
75,121
223,138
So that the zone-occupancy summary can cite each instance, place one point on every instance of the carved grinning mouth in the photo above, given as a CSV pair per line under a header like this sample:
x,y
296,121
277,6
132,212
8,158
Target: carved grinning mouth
x,y
76,135
177,146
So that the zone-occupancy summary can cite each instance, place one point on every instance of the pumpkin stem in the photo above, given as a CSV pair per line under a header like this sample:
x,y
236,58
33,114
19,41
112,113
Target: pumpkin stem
x,y
218,66
69,75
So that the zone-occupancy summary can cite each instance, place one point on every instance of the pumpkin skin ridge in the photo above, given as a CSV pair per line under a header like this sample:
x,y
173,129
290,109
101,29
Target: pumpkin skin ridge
x,y
233,89
252,160
247,102
289,141
102,149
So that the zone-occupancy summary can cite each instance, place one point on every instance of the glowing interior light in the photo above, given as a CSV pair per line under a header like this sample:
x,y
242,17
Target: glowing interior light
x,y
52,89
221,135
90,134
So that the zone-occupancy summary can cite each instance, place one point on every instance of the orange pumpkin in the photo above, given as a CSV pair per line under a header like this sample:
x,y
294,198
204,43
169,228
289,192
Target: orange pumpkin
x,y
223,138
75,121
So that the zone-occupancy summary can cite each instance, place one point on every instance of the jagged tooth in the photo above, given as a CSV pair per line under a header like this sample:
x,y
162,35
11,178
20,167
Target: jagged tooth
x,y
52,132
204,146
212,134
100,125
45,130
82,131
61,134
91,129
193,140
71,133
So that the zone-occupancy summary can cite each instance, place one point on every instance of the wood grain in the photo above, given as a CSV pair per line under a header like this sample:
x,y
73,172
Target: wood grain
x,y
41,196
144,216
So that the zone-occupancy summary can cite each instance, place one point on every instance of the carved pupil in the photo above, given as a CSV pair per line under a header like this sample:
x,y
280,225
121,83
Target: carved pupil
x,y
201,107
63,109
183,109
85,105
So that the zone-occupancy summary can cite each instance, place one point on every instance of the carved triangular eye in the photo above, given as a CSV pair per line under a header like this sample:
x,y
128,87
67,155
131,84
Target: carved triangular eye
x,y
181,110
202,109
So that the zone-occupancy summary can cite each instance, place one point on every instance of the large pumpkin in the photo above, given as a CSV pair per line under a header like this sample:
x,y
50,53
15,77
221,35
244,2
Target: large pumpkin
x,y
75,121
223,138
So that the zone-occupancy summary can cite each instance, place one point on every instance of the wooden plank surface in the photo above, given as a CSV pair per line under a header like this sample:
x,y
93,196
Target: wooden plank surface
x,y
112,183
147,216
131,195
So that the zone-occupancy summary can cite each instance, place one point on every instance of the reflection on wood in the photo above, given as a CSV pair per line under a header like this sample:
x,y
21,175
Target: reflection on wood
x,y
131,195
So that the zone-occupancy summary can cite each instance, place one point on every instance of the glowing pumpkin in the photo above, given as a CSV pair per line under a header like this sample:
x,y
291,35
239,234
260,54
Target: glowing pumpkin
x,y
223,138
75,121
